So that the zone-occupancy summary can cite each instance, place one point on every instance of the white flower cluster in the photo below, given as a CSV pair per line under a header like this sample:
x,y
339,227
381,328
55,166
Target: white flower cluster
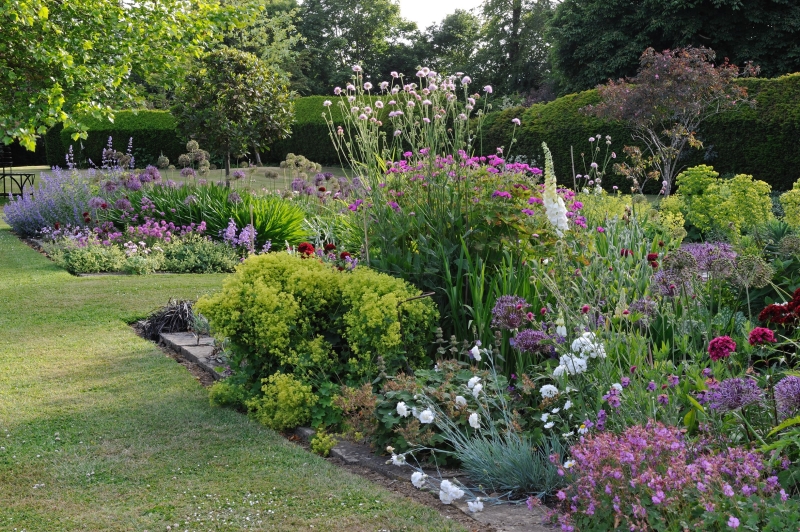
x,y
475,385
554,206
584,347
449,492
425,416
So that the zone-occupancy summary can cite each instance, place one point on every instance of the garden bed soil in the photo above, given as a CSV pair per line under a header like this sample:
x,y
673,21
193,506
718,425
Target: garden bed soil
x,y
360,460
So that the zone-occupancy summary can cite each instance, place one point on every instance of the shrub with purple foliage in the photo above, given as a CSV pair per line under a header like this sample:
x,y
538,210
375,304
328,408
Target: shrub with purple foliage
x,y
59,197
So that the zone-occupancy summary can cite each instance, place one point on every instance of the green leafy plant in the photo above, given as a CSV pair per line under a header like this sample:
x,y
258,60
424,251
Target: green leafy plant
x,y
286,402
322,443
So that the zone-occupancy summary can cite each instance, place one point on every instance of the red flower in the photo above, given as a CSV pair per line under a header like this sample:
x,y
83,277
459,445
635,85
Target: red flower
x,y
654,264
585,309
58,226
344,255
761,335
721,347
104,206
85,214
661,243
306,249
651,257
321,189
330,247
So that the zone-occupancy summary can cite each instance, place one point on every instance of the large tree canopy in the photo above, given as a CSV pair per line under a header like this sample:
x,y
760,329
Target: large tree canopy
x,y
63,59
342,33
597,40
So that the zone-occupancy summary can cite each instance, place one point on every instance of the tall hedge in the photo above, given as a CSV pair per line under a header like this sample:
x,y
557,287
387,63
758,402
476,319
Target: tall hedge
x,y
153,133
761,142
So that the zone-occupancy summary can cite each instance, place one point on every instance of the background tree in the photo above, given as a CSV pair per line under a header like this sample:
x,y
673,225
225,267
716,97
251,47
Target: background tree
x,y
59,60
454,42
597,40
665,103
339,34
514,54
233,101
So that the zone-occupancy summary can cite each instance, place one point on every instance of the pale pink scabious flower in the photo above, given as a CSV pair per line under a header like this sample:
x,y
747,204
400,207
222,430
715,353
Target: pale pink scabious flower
x,y
384,85
362,116
379,104
411,104
337,91
515,121
394,74
427,102
351,87
466,80
367,86
356,68
326,103
487,89
397,133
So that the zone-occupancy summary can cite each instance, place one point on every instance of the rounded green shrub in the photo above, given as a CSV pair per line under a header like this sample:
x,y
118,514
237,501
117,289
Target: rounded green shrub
x,y
227,393
285,313
790,201
285,404
93,258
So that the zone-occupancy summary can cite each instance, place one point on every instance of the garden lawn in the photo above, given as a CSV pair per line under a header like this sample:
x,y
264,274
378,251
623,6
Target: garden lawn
x,y
99,430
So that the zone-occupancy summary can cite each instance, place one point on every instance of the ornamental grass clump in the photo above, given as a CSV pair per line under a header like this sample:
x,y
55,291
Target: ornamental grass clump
x,y
650,478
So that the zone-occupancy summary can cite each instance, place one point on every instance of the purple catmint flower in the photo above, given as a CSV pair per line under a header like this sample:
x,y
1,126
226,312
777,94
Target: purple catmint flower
x,y
734,393
509,312
787,396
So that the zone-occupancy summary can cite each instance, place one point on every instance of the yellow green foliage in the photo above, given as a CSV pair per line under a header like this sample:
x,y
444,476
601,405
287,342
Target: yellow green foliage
x,y
322,443
728,206
598,207
225,393
790,201
286,402
301,316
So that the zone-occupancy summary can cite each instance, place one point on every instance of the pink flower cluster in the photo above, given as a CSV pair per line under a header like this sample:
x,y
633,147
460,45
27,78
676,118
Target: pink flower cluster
x,y
721,347
162,230
624,477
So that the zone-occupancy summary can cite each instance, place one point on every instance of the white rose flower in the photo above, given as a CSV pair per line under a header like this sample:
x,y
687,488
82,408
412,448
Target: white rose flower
x,y
402,409
476,391
461,402
426,416
475,506
418,479
472,382
548,390
475,421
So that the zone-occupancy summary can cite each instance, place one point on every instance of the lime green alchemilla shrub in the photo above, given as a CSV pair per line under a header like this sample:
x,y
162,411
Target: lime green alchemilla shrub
x,y
790,201
727,206
286,402
285,313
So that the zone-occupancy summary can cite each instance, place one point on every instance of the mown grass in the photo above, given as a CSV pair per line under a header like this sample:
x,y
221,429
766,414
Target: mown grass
x,y
100,431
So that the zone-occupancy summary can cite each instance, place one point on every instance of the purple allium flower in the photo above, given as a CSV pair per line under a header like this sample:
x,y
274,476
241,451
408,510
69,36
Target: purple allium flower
x,y
238,174
787,396
530,341
734,393
713,258
234,198
188,172
110,187
509,312
96,203
123,204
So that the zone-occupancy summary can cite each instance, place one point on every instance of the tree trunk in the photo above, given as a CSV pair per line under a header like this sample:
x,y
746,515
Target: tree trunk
x,y
258,156
228,168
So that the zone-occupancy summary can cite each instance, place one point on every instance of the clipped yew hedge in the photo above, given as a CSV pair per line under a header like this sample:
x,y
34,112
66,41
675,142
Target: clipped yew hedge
x,y
153,133
761,142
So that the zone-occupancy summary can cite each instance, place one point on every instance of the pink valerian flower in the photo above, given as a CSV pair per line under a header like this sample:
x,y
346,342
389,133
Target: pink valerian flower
x,y
613,473
761,335
721,347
